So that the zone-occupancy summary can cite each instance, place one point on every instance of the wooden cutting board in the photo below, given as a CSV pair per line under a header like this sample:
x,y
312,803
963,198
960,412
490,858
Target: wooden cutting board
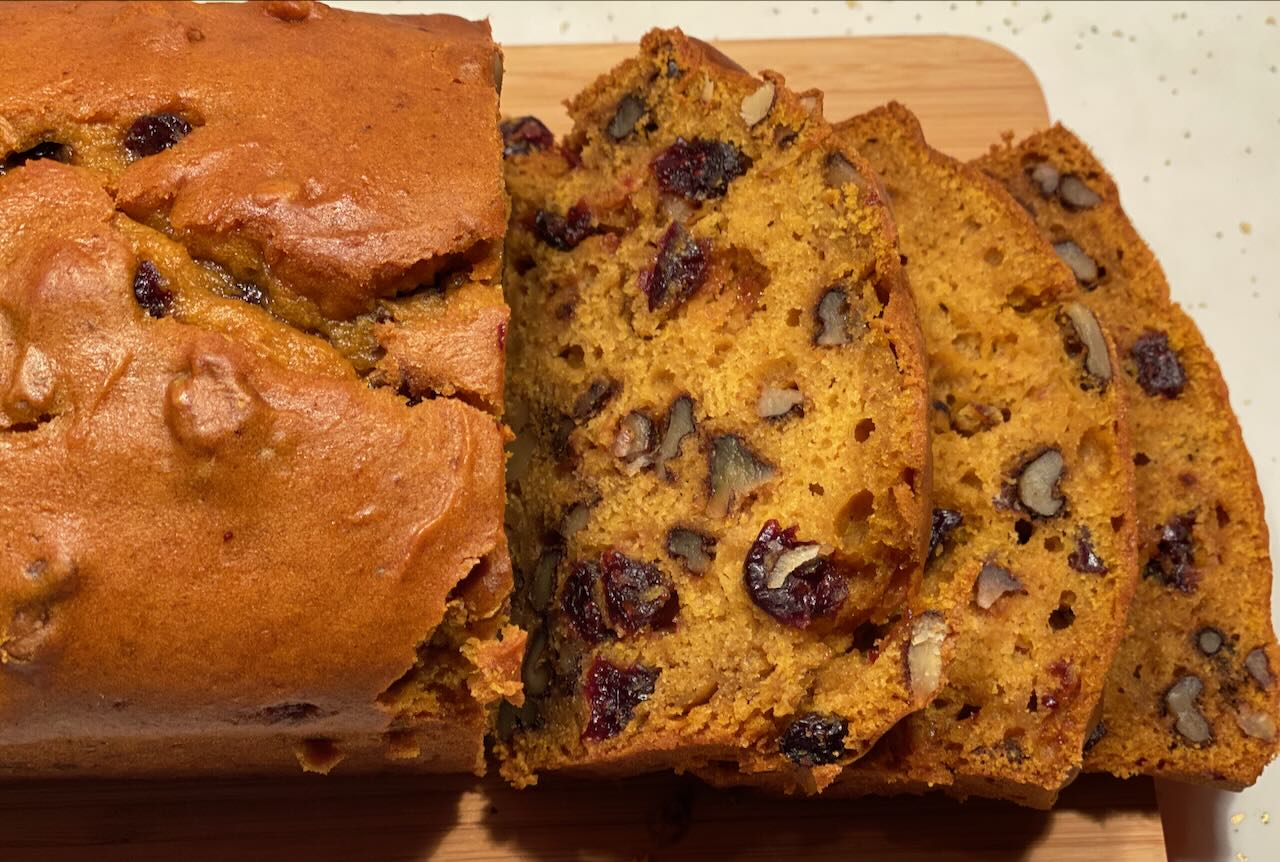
x,y
966,93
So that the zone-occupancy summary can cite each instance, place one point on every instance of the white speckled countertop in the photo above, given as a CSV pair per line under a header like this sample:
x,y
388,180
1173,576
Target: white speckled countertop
x,y
1182,102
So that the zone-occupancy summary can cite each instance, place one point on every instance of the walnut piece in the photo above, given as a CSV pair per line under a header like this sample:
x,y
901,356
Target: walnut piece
x,y
735,472
1046,177
840,171
1259,668
634,441
1084,267
1257,724
924,654
775,403
993,583
756,106
1180,700
1038,484
1075,195
1209,641
1096,359
695,551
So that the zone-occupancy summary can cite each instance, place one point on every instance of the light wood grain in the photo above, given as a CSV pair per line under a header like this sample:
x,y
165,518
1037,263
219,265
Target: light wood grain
x,y
965,91
398,819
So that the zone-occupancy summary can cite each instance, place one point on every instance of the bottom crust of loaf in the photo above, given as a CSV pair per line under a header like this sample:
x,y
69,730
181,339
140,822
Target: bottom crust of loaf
x,y
434,747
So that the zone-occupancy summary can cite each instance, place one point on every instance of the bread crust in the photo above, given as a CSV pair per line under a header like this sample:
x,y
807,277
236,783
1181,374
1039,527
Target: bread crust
x,y
240,510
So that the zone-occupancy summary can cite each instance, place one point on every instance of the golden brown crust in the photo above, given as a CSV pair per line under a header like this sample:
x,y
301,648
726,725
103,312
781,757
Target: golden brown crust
x,y
1191,461
215,528
1004,388
322,162
345,199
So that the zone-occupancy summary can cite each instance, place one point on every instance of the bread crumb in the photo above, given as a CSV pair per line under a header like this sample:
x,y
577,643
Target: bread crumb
x,y
1237,818
1265,817
1246,228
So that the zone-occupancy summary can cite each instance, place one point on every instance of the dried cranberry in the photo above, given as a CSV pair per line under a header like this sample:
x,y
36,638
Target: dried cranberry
x,y
814,739
613,693
51,150
523,134
679,270
699,170
1068,687
579,602
637,594
564,232
944,521
1084,558
791,580
1174,560
151,290
155,133
1159,371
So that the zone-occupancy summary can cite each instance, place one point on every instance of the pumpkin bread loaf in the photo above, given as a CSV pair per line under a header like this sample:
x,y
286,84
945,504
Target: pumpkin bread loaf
x,y
718,490
1033,552
1193,694
250,366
